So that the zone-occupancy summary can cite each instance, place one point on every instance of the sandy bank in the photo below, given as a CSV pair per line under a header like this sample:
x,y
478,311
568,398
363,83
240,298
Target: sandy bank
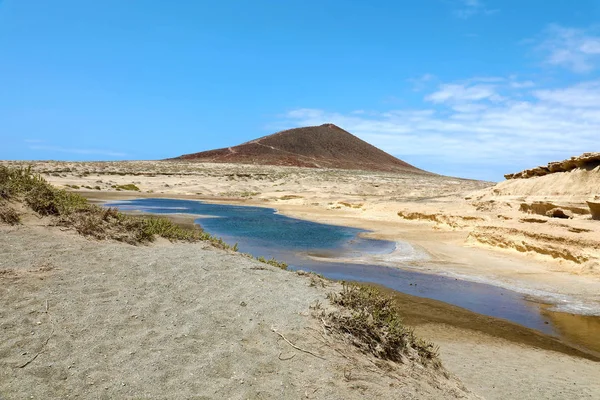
x,y
91,319
437,251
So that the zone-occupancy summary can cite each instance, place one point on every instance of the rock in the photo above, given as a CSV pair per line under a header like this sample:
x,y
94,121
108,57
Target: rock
x,y
595,209
539,208
586,160
559,213
544,207
555,167
539,171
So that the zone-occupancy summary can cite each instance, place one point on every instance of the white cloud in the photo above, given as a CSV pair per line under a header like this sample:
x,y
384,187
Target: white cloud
x,y
468,8
79,151
460,93
583,95
421,82
521,85
571,48
463,130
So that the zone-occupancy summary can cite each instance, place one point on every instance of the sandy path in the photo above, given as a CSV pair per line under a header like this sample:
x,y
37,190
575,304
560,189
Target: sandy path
x,y
90,319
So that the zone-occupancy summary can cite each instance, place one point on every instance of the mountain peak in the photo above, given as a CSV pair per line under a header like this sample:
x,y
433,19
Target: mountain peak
x,y
323,146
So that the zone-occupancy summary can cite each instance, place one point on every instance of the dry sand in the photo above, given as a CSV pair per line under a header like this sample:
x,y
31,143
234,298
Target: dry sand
x,y
442,218
87,319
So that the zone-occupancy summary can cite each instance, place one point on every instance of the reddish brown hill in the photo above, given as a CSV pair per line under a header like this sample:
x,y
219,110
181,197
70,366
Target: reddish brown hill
x,y
324,146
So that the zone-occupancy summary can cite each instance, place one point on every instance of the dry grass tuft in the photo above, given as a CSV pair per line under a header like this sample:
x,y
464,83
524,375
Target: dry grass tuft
x,y
129,186
8,215
273,262
369,319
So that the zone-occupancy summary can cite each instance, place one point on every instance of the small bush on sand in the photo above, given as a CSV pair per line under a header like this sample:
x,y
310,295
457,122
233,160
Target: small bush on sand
x,y
129,186
372,323
49,201
8,215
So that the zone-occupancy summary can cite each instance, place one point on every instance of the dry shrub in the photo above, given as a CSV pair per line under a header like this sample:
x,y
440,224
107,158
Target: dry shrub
x,y
9,215
370,321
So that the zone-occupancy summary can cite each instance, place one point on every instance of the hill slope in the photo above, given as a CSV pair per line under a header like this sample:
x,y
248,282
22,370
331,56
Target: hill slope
x,y
324,146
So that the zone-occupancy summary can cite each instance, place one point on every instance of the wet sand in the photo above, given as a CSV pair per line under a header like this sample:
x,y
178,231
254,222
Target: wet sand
x,y
578,342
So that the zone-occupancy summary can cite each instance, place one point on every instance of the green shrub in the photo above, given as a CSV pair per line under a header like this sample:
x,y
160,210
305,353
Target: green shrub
x,y
74,211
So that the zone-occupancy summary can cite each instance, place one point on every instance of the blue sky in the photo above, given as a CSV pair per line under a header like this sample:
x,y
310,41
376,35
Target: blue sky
x,y
470,88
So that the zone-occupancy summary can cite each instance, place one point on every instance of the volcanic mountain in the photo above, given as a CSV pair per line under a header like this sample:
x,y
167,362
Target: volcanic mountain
x,y
324,146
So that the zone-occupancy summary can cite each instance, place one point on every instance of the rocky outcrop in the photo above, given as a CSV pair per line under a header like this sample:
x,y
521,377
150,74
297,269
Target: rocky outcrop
x,y
595,209
580,248
584,161
544,207
441,219
559,213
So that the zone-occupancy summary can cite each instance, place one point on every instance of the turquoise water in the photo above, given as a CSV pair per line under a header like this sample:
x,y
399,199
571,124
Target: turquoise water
x,y
262,232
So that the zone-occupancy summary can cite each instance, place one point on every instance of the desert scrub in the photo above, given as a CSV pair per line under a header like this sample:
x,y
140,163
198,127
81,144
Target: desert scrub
x,y
290,197
129,186
369,319
21,185
350,205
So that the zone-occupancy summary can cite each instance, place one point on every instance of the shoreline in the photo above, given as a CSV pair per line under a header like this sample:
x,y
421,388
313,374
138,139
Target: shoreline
x,y
445,255
422,311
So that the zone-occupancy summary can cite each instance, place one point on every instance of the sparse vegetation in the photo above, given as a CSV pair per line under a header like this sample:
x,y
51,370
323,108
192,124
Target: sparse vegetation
x,y
273,262
8,215
239,194
129,186
372,323
73,211
290,197
350,205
